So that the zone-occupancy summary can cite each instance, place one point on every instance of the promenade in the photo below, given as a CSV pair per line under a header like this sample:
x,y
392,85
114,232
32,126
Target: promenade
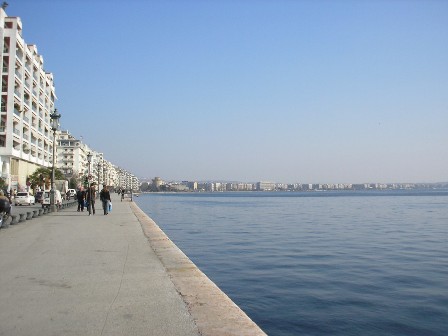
x,y
68,273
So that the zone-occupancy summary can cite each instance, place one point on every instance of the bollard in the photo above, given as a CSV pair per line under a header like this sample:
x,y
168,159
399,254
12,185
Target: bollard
x,y
41,212
35,213
29,215
5,222
14,219
22,217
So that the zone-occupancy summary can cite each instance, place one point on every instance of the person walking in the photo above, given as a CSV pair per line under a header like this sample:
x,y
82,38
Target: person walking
x,y
5,203
80,196
91,195
105,198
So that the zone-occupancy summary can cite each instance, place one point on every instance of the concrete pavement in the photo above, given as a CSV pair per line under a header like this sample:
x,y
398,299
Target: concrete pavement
x,y
68,273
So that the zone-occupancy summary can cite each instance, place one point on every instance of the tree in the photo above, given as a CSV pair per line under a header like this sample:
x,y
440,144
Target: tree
x,y
42,177
74,180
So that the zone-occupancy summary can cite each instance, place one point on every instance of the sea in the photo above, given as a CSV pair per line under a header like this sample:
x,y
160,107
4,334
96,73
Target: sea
x,y
319,263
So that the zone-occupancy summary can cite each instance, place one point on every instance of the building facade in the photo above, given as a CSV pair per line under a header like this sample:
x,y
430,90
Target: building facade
x,y
27,100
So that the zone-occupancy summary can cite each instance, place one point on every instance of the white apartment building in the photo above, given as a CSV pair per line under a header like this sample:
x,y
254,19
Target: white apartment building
x,y
72,161
71,157
27,100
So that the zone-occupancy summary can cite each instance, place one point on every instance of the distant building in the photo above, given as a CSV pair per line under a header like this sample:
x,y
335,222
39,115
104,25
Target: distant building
x,y
265,186
157,183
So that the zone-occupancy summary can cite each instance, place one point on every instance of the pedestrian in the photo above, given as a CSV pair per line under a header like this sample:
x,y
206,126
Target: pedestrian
x,y
105,198
91,195
81,196
122,194
5,203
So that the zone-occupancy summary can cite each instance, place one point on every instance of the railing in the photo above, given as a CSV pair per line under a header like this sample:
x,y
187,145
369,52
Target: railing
x,y
16,112
4,88
16,131
18,74
25,136
26,119
17,92
2,129
3,108
5,69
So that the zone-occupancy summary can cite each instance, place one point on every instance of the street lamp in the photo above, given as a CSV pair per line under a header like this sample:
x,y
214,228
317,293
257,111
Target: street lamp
x,y
55,116
89,160
98,172
105,177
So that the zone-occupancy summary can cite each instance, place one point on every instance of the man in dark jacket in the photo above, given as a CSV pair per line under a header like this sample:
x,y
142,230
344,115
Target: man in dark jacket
x,y
80,196
105,198
90,196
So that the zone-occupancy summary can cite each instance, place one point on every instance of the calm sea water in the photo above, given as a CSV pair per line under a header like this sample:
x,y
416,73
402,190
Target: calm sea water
x,y
324,263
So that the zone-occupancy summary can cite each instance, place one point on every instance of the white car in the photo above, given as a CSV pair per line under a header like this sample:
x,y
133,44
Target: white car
x,y
24,197
72,193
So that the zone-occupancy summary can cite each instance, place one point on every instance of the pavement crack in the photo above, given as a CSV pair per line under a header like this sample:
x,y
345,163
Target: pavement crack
x,y
118,292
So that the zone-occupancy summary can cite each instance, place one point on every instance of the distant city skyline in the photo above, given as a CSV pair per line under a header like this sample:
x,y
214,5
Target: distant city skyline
x,y
322,92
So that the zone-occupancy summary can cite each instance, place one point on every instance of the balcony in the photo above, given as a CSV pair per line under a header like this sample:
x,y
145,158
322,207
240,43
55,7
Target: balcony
x,y
2,129
5,69
16,131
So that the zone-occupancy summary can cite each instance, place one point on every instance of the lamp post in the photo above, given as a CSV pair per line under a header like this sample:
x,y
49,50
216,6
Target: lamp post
x,y
98,172
106,177
54,126
89,160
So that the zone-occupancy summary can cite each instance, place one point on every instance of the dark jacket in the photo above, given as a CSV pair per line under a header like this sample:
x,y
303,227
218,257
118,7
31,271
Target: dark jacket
x,y
93,192
104,195
80,195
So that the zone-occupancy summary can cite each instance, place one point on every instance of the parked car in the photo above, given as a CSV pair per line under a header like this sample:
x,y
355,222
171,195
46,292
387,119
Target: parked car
x,y
24,197
71,193
57,198
39,197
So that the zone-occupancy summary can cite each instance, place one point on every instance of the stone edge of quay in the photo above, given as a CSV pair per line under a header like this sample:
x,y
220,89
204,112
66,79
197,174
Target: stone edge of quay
x,y
211,309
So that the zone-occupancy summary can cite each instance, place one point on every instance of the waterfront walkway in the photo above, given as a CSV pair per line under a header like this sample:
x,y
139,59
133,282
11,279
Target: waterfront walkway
x,y
68,273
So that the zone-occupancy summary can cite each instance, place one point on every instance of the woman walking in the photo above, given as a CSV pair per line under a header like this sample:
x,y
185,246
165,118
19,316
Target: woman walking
x,y
105,198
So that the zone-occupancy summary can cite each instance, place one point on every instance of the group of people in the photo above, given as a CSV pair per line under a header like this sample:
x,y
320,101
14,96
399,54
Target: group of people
x,y
88,197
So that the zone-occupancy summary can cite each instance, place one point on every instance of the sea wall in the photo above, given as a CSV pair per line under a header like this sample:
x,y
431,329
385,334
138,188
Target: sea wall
x,y
214,313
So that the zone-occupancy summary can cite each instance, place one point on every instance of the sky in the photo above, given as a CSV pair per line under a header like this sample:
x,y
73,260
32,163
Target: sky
x,y
245,90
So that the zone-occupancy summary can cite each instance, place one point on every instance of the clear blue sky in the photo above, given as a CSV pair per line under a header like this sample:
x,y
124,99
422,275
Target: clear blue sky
x,y
245,90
